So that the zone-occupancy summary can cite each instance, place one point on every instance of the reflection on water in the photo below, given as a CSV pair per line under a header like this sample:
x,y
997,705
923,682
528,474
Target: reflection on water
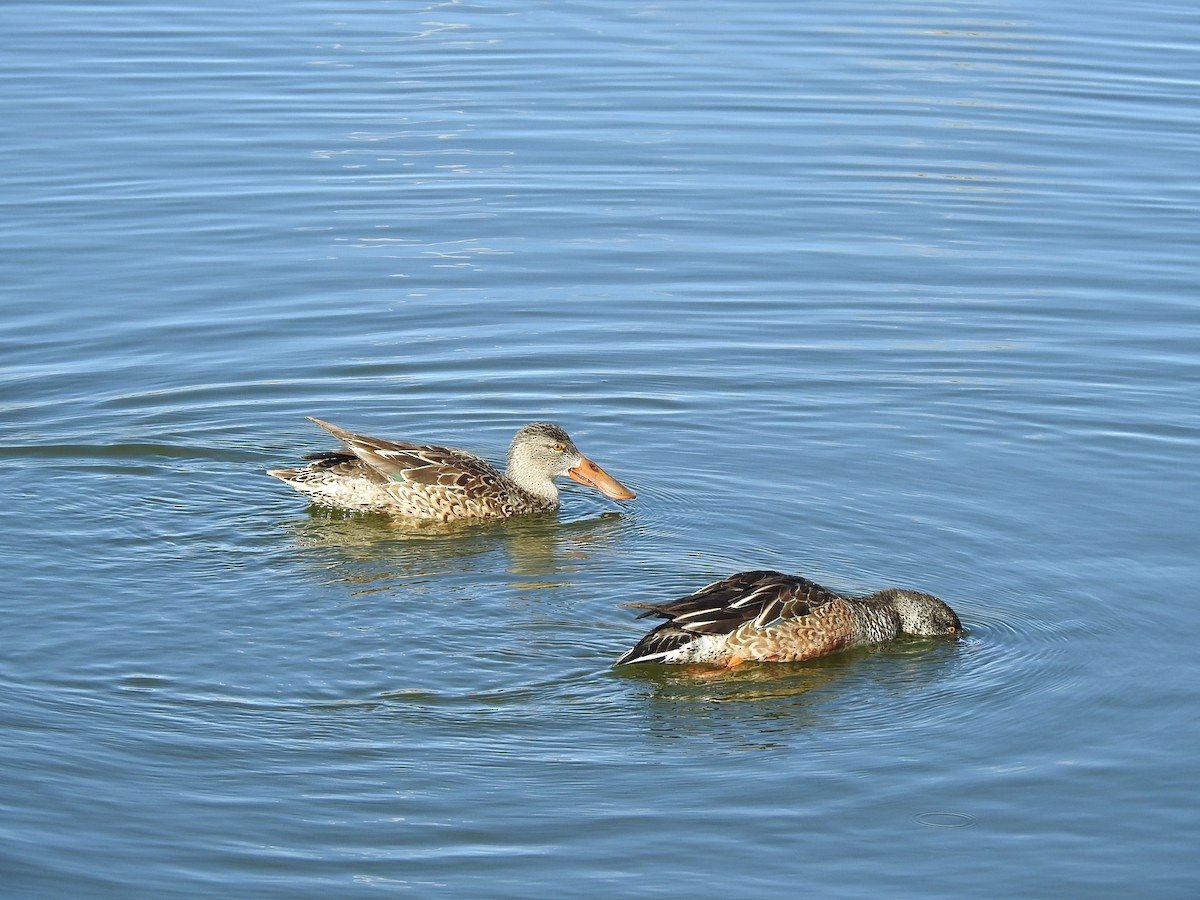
x,y
375,552
761,704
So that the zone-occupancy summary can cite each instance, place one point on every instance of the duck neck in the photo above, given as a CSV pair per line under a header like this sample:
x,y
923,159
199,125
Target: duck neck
x,y
876,619
532,481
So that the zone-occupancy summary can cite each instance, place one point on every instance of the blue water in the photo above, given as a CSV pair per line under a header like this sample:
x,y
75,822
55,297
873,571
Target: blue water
x,y
880,293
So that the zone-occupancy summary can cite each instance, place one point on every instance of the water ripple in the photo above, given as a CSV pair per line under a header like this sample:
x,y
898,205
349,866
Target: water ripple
x,y
877,293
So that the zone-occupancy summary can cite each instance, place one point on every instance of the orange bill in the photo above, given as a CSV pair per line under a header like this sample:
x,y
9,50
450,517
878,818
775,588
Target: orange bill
x,y
587,472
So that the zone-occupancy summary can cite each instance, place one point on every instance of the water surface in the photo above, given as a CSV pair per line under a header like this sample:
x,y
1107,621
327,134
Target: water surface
x,y
877,293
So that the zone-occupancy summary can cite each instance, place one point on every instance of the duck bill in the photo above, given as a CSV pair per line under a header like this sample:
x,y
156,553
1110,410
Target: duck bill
x,y
587,472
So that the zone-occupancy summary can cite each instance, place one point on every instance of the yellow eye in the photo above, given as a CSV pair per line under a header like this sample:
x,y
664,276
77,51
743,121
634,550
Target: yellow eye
x,y
557,448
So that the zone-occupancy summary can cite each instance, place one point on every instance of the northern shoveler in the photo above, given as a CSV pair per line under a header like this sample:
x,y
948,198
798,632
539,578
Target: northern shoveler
x,y
770,616
444,484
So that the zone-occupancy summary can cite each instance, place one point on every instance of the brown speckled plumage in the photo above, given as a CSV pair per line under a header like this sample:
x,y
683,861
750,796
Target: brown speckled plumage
x,y
444,484
773,617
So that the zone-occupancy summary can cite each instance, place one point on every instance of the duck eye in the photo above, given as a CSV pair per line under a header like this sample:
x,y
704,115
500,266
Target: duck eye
x,y
557,448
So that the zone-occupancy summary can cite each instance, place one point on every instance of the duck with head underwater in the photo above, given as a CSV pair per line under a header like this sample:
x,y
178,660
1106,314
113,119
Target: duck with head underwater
x,y
772,617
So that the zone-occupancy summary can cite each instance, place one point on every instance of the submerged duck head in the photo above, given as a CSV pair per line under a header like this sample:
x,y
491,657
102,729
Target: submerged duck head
x,y
922,614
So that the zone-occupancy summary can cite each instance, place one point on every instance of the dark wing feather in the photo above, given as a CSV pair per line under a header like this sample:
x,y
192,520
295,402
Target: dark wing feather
x,y
761,597
657,644
719,593
344,463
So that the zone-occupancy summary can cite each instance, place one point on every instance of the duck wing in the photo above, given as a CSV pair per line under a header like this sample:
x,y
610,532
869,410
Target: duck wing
x,y
402,461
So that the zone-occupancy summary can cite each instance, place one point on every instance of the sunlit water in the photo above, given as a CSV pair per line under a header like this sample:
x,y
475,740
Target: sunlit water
x,y
878,293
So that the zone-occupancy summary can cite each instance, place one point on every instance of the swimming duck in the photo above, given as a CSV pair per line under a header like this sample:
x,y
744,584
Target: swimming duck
x,y
443,484
772,617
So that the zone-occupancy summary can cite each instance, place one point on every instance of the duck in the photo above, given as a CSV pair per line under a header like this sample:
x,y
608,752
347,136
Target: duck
x,y
769,616
445,484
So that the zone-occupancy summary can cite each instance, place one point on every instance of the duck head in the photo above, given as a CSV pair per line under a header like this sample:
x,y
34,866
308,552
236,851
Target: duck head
x,y
541,452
